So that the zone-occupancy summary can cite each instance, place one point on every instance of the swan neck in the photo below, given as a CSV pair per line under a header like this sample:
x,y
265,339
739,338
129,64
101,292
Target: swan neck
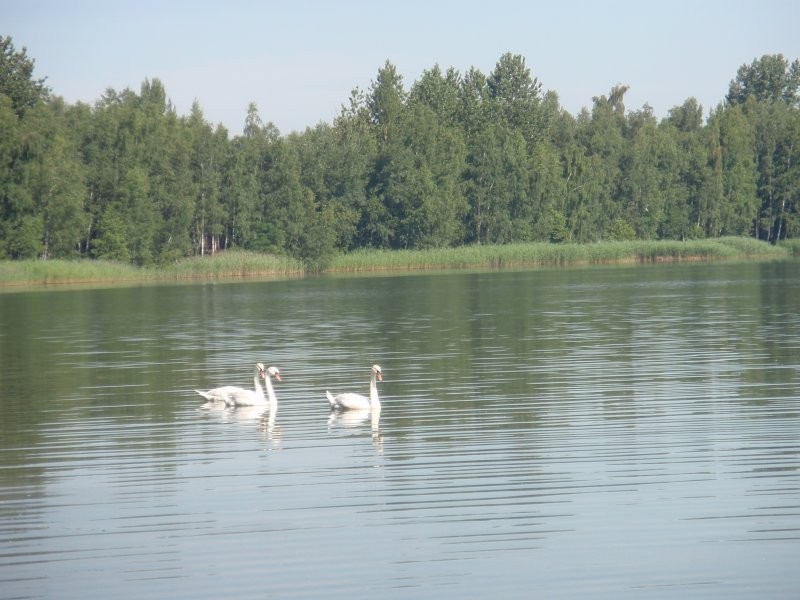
x,y
374,401
259,389
273,400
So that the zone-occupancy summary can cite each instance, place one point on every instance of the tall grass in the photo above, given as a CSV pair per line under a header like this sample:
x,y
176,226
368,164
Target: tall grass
x,y
792,246
541,254
232,264
228,264
64,271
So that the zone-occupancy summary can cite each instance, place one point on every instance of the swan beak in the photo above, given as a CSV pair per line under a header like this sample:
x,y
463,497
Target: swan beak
x,y
379,376
278,376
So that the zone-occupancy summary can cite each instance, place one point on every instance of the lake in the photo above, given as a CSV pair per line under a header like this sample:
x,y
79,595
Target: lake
x,y
605,432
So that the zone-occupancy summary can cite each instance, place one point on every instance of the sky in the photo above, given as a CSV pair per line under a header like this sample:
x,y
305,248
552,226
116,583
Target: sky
x,y
298,61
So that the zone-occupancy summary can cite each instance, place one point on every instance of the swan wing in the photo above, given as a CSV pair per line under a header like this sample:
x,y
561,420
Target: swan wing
x,y
220,394
242,397
236,396
350,401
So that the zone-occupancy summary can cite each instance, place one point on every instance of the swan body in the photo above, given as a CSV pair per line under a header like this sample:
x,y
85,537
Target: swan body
x,y
237,396
352,401
256,399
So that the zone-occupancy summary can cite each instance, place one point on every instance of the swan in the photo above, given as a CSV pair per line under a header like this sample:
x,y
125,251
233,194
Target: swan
x,y
236,396
254,398
351,401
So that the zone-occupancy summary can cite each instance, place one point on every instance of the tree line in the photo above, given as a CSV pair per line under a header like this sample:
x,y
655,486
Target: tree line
x,y
454,159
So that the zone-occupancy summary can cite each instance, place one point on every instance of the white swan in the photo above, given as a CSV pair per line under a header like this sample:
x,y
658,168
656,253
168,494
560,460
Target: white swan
x,y
351,401
254,399
236,396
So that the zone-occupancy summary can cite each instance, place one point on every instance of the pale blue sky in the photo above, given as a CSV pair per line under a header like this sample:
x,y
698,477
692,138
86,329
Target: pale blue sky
x,y
298,60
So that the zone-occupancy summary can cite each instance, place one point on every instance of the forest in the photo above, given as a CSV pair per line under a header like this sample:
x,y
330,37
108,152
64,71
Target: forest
x,y
453,159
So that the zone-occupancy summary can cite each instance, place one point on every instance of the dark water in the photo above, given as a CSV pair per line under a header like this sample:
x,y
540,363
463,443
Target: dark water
x,y
623,432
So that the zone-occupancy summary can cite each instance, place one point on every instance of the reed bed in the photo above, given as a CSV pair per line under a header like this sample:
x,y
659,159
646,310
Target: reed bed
x,y
232,264
546,254
223,265
240,264
21,272
792,246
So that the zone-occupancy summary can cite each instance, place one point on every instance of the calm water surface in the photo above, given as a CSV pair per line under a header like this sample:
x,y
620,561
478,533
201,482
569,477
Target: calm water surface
x,y
628,432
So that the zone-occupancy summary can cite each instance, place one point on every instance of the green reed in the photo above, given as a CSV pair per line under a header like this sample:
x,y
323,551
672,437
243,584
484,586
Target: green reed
x,y
235,263
232,263
64,271
228,264
544,254
791,246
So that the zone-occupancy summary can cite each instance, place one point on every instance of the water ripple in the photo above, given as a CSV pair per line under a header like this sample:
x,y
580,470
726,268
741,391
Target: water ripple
x,y
643,433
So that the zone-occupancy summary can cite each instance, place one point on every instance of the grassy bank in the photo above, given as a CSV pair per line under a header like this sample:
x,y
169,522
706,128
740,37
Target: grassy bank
x,y
544,254
226,265
237,264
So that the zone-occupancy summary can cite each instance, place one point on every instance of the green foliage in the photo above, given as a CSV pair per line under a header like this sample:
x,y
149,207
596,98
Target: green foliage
x,y
386,101
516,96
458,160
556,226
498,187
16,78
418,183
24,237
622,231
768,79
776,129
111,240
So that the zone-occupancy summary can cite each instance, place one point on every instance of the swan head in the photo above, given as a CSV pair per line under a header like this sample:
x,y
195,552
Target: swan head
x,y
376,370
273,372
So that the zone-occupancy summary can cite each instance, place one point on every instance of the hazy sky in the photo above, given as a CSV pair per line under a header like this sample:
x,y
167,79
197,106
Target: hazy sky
x,y
299,60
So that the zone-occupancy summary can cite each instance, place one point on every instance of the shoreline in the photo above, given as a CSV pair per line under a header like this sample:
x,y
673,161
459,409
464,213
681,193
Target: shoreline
x,y
85,283
236,265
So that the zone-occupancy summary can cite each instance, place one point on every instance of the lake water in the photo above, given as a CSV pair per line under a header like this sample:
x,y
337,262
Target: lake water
x,y
621,432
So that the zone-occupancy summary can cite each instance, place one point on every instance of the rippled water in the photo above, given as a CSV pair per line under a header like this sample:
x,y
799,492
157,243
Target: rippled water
x,y
606,432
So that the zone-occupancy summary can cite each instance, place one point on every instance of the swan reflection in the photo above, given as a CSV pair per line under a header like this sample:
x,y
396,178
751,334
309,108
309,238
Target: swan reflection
x,y
353,419
267,425
235,414
262,416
